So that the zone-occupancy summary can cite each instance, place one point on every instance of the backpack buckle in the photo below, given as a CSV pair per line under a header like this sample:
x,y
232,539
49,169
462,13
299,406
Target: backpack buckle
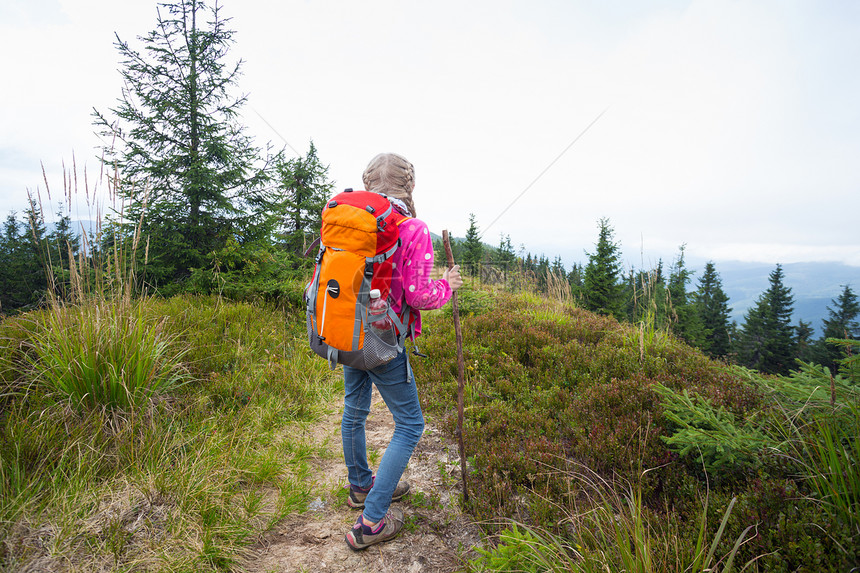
x,y
381,224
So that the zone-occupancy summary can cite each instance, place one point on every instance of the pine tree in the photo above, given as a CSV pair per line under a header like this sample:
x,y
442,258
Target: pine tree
x,y
602,283
805,346
540,272
182,157
473,249
840,323
687,322
10,248
306,188
529,263
441,257
26,260
505,254
767,337
713,308
557,267
574,277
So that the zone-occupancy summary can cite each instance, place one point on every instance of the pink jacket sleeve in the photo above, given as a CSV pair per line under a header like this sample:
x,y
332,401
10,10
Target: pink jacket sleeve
x,y
416,265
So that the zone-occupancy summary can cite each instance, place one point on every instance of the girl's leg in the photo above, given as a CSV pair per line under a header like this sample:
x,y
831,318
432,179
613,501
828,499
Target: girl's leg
x,y
396,384
356,407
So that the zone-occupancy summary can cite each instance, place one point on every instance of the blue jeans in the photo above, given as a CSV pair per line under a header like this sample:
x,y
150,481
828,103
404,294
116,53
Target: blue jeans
x,y
396,384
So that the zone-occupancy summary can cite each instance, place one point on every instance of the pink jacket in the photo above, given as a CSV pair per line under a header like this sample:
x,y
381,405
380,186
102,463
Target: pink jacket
x,y
411,273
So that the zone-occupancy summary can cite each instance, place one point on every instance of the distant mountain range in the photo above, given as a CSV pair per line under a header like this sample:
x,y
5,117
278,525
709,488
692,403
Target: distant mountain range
x,y
814,286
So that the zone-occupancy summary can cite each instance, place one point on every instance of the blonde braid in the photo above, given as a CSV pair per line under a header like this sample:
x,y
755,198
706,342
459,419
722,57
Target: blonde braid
x,y
392,175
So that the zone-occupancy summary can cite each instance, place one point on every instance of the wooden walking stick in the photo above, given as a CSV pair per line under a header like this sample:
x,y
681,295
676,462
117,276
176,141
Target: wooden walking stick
x,y
461,369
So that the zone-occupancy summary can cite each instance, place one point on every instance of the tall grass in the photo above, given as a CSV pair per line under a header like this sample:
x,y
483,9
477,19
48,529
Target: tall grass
x,y
104,354
94,344
835,465
558,288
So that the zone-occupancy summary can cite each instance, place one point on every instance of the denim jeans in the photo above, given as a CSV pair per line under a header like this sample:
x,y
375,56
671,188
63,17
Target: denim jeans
x,y
396,385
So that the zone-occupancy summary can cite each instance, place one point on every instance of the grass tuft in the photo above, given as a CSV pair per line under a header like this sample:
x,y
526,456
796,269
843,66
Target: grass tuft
x,y
104,355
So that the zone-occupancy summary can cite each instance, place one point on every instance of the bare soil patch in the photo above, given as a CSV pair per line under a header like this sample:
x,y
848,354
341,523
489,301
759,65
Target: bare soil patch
x,y
437,535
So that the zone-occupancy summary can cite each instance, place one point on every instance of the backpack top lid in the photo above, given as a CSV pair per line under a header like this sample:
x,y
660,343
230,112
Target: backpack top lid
x,y
361,222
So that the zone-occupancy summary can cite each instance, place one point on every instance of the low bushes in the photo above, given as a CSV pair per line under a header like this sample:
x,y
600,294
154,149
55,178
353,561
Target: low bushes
x,y
552,388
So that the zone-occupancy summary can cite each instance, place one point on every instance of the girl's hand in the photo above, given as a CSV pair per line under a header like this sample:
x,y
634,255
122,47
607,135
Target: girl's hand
x,y
453,277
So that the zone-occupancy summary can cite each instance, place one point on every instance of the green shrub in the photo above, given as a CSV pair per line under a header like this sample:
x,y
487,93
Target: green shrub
x,y
712,435
524,550
471,301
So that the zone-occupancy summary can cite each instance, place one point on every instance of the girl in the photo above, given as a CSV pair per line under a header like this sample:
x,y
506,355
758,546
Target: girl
x,y
391,175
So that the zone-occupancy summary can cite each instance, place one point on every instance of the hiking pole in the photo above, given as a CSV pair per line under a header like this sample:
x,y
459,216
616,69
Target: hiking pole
x,y
461,368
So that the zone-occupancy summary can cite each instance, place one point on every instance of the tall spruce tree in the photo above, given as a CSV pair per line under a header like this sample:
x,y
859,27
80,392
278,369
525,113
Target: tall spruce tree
x,y
23,260
714,311
603,286
840,323
304,182
63,245
505,254
540,271
805,345
767,340
687,323
184,160
473,249
10,249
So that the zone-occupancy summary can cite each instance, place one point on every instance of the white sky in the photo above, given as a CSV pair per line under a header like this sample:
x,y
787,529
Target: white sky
x,y
732,126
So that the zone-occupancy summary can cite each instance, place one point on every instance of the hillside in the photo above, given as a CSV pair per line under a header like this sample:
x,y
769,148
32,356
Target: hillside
x,y
583,436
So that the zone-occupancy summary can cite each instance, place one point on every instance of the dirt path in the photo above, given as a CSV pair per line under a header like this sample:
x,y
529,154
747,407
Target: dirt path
x,y
436,535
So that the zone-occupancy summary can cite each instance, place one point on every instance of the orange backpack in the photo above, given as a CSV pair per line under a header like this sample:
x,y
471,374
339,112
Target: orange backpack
x,y
360,233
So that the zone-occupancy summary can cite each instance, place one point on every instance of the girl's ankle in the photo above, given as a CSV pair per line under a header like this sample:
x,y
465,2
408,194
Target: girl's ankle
x,y
368,523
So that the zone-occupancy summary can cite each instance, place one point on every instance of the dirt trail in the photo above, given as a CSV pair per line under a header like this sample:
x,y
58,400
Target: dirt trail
x,y
436,534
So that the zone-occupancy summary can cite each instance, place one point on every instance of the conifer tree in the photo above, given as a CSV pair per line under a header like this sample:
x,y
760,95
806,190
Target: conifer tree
x,y
183,158
767,337
602,283
505,254
540,272
10,262
62,243
473,249
714,311
840,323
574,277
557,267
805,345
687,322
306,188
441,257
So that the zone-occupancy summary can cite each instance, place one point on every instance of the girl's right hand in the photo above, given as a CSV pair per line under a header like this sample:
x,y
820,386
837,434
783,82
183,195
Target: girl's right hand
x,y
453,277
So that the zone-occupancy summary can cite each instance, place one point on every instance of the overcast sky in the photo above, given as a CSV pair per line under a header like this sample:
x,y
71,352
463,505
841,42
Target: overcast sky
x,y
732,127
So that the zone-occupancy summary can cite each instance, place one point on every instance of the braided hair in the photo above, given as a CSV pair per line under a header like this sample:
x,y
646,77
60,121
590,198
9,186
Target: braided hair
x,y
392,175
